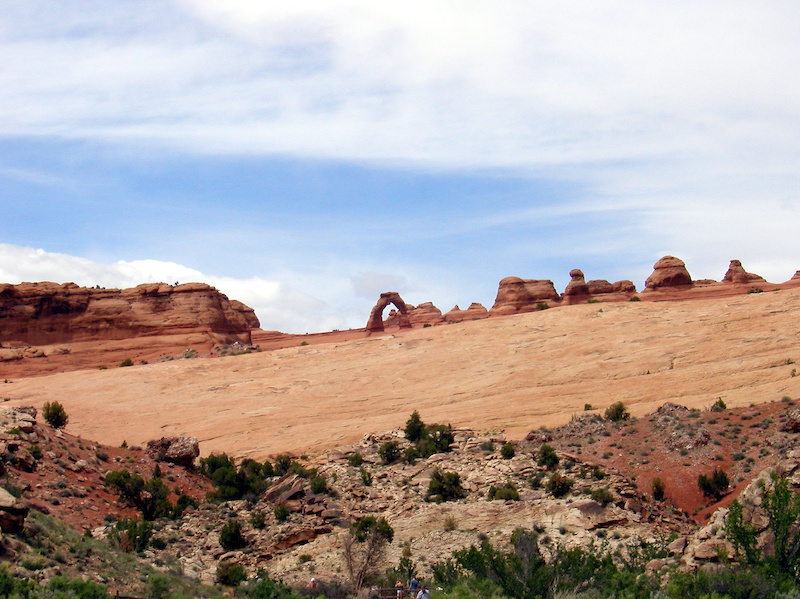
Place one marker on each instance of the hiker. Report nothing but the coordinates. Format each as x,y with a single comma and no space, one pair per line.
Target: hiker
399,587
424,593
313,586
413,585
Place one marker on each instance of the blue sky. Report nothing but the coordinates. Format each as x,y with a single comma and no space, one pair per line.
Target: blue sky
303,158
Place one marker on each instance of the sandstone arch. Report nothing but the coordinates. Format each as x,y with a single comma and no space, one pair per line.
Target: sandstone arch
375,322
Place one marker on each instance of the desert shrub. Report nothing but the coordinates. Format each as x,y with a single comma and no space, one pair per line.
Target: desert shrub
507,492
368,525
366,477
230,574
659,489
318,484
36,452
183,503
548,457
355,459
231,482
617,412
389,452
715,485
230,537
132,534
602,496
415,428
598,473
487,446
444,486
258,520
507,451
158,586
281,513
558,485
718,406
542,306
126,362
126,484
635,298
282,464
54,414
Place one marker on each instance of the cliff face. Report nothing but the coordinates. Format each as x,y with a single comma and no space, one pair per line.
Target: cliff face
48,313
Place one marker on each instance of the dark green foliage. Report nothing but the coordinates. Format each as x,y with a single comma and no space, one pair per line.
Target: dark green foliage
602,496
318,484
410,454
659,489
718,406
367,526
507,492
128,485
445,486
617,412
415,428
249,479
230,537
158,586
389,452
559,485
54,414
355,459
782,508
230,574
36,452
714,486
263,587
151,497
126,362
258,520
281,513
635,298
184,502
132,535
366,477
282,464
548,457
507,451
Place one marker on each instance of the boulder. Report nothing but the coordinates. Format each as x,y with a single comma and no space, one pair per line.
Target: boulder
515,295
425,313
668,272
177,450
792,424
13,512
736,274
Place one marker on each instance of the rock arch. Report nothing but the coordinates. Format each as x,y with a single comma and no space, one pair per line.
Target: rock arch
375,322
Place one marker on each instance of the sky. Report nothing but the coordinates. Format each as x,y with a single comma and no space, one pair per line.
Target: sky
305,156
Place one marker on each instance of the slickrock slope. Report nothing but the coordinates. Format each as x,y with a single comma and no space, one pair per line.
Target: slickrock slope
509,374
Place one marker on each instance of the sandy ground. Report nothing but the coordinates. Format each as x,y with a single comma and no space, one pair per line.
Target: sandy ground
509,374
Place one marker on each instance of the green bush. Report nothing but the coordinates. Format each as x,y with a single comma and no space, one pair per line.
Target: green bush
602,496
659,489
281,513
126,362
445,486
719,405
367,526
54,414
617,412
559,485
507,451
507,492
233,483
132,535
230,574
366,477
714,486
355,459
230,537
389,452
415,428
548,457
318,484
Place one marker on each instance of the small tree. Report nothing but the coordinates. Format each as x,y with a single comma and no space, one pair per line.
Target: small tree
389,452
230,537
548,457
658,489
54,414
559,485
364,546
507,450
617,412
714,486
445,486
230,574
415,428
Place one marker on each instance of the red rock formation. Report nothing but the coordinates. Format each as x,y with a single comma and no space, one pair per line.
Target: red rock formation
48,313
516,295
736,274
475,311
577,290
425,313
668,272
375,322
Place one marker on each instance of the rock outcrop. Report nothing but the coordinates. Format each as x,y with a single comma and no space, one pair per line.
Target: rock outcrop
425,313
577,290
177,450
515,295
13,512
668,272
475,311
736,274
375,322
48,313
